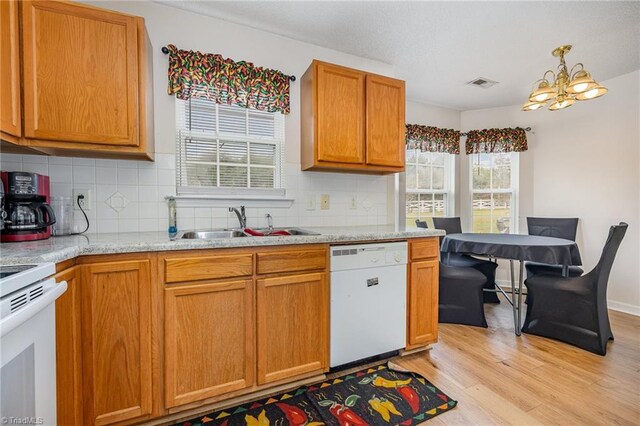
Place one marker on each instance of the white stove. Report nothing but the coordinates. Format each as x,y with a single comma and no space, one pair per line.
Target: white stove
28,343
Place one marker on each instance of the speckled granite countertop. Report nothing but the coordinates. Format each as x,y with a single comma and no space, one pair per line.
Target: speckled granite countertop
57,249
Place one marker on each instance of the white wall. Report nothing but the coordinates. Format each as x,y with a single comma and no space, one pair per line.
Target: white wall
145,184
582,162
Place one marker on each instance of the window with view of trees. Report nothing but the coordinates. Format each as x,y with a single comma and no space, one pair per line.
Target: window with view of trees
227,148
428,185
493,190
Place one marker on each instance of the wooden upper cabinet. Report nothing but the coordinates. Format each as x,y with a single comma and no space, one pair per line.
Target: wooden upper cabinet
209,340
116,341
340,114
351,120
293,326
10,116
80,74
385,121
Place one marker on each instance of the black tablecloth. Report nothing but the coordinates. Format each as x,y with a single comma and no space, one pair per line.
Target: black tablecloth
554,251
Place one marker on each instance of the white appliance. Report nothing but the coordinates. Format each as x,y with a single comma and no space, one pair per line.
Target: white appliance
28,344
368,301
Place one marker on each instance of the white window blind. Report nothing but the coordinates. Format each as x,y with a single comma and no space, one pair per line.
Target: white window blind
224,149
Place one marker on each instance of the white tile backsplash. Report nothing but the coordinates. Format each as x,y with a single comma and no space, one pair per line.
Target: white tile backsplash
145,185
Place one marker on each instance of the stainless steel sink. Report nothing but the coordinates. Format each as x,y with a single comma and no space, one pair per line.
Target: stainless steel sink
236,233
291,231
211,234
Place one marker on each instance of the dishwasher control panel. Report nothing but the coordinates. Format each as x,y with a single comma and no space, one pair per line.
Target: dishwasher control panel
368,256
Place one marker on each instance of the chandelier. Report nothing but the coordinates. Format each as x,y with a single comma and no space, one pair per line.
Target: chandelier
566,88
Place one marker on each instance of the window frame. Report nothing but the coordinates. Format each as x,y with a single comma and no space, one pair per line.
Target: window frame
277,192
448,190
514,190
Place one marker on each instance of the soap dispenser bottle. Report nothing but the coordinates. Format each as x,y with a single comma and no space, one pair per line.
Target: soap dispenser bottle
173,220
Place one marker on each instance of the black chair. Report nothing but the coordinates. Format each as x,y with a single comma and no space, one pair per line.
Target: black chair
460,296
552,227
421,223
574,310
452,225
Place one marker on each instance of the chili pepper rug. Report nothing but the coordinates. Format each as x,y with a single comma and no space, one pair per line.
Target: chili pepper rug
375,396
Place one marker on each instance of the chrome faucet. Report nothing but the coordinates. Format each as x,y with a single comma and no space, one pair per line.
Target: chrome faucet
269,222
242,218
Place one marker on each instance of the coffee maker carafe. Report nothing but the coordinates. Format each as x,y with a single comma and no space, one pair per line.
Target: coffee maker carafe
25,206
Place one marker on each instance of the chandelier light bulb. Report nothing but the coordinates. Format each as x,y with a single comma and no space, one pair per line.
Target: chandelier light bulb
580,87
531,106
596,92
561,103
591,94
542,97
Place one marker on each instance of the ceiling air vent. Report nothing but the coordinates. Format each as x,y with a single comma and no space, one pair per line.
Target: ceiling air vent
485,83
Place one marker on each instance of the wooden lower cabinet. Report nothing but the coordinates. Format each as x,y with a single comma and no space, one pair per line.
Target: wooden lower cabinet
422,321
209,340
116,341
293,326
69,350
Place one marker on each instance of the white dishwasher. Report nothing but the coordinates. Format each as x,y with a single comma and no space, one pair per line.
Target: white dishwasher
368,301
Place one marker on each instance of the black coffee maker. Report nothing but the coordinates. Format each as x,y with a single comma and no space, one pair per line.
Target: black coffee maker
25,207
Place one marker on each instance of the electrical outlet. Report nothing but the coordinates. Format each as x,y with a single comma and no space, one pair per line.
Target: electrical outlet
324,201
86,201
311,202
353,202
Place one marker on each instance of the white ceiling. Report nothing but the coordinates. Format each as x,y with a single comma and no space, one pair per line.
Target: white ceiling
438,46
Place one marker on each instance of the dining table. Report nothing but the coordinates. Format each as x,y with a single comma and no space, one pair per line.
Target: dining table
515,248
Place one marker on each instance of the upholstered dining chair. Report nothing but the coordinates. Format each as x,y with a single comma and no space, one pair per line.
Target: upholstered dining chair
574,310
565,228
421,223
460,295
452,225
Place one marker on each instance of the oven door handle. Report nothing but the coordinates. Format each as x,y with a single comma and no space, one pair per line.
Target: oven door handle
14,320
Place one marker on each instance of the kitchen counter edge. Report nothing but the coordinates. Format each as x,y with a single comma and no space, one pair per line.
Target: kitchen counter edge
59,249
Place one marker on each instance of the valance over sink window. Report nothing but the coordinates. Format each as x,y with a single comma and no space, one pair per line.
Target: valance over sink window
194,74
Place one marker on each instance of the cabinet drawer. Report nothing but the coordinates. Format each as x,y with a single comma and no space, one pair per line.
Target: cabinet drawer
208,267
292,261
427,248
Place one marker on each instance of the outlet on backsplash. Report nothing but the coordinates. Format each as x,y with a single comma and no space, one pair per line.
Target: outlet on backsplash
86,200
324,202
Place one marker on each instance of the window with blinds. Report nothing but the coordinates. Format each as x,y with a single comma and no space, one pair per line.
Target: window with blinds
226,148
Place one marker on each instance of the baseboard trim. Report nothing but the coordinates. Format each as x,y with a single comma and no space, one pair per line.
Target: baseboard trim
627,308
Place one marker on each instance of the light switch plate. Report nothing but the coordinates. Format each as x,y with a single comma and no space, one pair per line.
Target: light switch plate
353,202
324,201
311,202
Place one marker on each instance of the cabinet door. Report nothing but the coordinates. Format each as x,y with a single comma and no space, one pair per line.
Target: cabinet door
340,114
69,350
209,340
293,326
80,74
116,334
10,69
423,303
385,121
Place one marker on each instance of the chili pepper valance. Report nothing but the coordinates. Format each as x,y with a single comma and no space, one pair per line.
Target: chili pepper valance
496,140
224,81
433,139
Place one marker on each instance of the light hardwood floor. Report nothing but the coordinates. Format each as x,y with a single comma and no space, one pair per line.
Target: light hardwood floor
499,378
